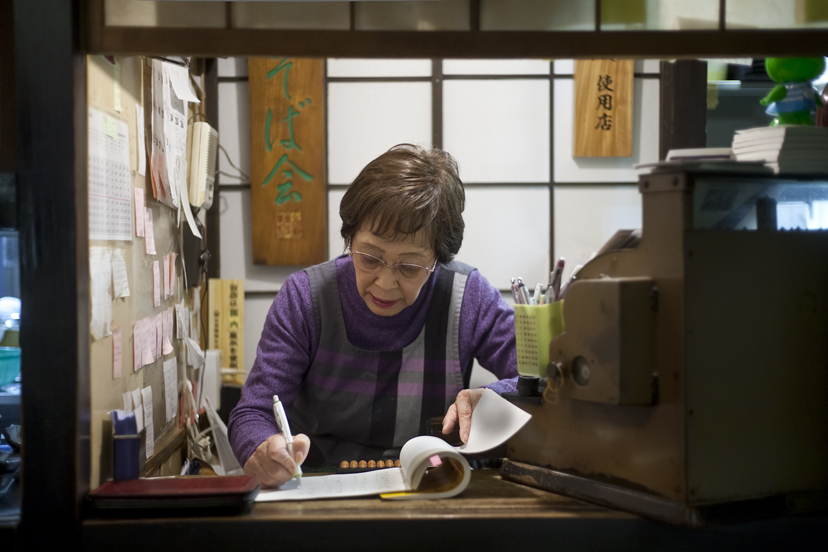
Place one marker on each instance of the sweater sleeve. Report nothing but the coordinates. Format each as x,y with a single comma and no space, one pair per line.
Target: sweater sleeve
487,332
285,351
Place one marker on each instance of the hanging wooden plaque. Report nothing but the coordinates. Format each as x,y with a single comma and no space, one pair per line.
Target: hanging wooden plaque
603,108
287,161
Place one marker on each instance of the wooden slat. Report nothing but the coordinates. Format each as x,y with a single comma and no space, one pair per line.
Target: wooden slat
287,161
460,44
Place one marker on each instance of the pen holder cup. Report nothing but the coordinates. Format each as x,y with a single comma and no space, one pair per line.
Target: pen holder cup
535,326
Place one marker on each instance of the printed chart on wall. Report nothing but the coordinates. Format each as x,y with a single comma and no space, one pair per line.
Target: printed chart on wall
110,192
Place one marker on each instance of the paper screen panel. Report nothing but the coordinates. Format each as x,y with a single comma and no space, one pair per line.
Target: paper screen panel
366,119
495,67
379,68
498,129
507,233
234,130
586,217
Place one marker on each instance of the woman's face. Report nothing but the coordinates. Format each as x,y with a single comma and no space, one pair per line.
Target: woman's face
387,292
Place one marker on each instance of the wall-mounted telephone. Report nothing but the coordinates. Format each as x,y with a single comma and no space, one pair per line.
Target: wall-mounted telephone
203,157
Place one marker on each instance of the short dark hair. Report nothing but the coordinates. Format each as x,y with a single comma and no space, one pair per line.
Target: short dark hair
404,190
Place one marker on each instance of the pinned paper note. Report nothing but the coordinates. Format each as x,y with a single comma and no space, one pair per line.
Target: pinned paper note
142,147
180,80
195,356
149,235
119,274
116,352
116,92
156,285
149,345
139,417
172,273
182,318
166,276
100,273
171,387
137,346
140,213
127,397
146,392
159,335
168,325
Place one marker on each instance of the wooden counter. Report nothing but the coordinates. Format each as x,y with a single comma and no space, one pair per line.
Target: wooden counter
492,514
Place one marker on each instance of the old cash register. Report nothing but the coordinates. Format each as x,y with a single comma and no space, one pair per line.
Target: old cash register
691,382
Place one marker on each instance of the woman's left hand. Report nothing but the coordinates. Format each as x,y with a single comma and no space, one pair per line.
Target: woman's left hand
461,411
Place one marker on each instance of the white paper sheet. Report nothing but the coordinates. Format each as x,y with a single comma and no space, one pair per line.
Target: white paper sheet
140,215
171,387
120,281
338,486
100,273
149,351
116,77
182,321
172,273
156,285
166,276
158,164
180,77
149,237
142,144
139,417
110,192
195,356
146,392
159,335
127,401
116,352
494,420
137,345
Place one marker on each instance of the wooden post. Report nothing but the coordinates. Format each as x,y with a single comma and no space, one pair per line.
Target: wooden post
287,161
603,108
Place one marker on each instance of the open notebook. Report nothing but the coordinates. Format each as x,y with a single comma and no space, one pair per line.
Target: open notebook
420,475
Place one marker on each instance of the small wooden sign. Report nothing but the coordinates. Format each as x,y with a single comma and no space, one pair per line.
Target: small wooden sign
226,325
287,161
603,108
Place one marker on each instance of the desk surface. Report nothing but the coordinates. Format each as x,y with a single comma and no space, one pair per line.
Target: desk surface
492,513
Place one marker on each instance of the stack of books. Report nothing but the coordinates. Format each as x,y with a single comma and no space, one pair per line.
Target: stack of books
784,148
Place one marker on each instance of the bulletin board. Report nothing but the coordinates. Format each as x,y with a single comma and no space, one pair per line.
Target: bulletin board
116,87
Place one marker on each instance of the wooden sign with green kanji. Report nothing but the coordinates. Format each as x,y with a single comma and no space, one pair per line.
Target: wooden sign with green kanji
287,161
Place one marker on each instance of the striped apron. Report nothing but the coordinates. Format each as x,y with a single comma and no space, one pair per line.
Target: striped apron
365,405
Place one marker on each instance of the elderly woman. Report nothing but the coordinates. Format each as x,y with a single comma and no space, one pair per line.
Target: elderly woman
365,348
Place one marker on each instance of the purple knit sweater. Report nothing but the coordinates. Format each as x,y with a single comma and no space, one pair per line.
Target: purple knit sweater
289,342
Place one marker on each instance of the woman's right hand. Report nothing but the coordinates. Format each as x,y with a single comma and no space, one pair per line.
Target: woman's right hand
272,465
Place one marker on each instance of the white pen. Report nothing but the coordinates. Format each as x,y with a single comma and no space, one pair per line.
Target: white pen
284,427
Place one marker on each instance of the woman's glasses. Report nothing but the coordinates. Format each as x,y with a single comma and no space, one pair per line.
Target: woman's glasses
369,263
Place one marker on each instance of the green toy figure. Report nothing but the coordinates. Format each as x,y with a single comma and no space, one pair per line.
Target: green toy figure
794,101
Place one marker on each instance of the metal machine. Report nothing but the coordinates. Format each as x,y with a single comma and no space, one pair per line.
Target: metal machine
691,383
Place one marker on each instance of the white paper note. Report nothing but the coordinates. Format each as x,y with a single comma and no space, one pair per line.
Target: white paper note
172,273
149,233
100,273
149,351
142,145
117,87
180,78
156,285
127,402
171,387
146,392
110,197
494,420
116,352
158,162
119,274
159,335
168,331
139,416
137,345
195,356
140,215
166,276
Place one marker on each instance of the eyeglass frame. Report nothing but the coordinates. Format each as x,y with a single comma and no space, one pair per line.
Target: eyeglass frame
429,271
